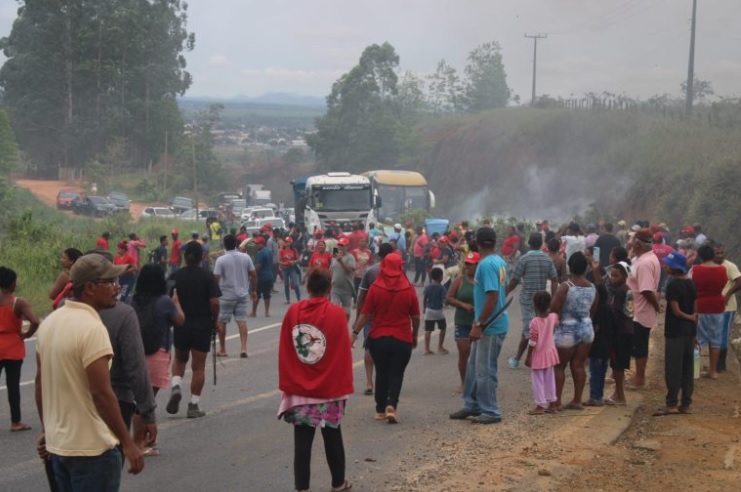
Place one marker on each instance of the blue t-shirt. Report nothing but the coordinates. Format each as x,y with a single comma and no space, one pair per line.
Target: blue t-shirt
264,258
434,296
491,275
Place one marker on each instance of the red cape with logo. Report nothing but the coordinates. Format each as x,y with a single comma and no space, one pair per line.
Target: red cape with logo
315,362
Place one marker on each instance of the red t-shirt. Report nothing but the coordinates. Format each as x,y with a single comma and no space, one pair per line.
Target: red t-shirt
286,257
320,260
175,252
709,282
391,310
510,245
102,243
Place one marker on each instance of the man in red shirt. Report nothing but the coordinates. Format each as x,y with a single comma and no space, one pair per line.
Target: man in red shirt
175,251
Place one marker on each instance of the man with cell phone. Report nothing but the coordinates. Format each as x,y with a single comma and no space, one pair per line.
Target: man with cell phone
343,272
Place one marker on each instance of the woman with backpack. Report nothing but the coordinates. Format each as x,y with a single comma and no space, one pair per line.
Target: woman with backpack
157,312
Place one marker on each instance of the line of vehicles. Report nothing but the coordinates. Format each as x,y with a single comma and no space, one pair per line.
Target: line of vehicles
341,198
97,206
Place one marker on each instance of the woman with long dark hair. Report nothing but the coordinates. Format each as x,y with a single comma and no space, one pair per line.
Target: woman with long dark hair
62,287
316,378
156,312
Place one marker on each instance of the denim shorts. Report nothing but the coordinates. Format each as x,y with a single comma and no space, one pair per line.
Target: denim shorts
710,330
462,332
528,313
237,308
570,334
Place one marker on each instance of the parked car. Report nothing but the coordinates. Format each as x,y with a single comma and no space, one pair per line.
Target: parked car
65,198
261,213
203,214
253,226
120,200
157,212
180,204
96,206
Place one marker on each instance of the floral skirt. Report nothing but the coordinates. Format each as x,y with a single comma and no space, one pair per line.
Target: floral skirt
327,414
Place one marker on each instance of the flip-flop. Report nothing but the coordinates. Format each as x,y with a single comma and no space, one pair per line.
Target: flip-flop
572,406
684,410
664,411
222,354
613,403
151,452
345,486
368,391
707,375
25,427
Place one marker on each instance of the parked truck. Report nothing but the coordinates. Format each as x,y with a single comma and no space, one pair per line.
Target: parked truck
339,197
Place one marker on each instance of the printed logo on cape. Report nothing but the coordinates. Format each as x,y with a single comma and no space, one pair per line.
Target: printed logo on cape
309,342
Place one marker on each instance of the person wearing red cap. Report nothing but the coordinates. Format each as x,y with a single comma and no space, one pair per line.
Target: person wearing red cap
460,295
175,253
288,260
393,307
128,279
265,277
342,269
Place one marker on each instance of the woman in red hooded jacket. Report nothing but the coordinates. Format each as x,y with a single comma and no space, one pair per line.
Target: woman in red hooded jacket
393,304
316,378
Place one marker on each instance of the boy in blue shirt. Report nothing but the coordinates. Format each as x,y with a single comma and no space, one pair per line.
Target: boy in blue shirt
433,299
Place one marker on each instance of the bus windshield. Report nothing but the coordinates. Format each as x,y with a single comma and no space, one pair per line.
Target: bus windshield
398,199
340,200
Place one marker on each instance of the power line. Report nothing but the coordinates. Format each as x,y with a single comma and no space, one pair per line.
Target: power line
535,38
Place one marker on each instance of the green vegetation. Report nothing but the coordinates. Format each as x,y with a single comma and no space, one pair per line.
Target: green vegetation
33,236
557,163
371,115
81,74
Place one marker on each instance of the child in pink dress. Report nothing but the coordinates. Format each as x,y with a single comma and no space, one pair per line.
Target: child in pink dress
542,355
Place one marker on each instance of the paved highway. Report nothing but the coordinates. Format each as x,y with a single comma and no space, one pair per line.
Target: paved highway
241,446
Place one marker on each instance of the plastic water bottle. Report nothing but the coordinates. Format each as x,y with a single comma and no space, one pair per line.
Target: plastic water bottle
697,362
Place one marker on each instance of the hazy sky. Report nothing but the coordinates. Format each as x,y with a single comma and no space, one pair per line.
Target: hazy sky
639,47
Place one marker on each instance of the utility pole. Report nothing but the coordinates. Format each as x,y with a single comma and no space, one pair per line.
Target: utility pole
691,67
535,38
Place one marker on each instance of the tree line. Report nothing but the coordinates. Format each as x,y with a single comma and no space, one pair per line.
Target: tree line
91,83
372,112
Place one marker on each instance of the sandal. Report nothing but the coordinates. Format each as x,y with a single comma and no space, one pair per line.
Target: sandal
572,406
615,403
342,488
151,452
20,427
664,411
685,410
368,391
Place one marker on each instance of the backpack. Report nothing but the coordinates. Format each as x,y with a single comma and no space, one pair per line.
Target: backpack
151,331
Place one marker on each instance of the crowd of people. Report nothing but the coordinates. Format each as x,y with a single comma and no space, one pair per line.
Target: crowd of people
588,300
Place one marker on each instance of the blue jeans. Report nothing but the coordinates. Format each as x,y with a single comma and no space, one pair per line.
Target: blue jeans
597,371
480,387
727,324
82,473
291,275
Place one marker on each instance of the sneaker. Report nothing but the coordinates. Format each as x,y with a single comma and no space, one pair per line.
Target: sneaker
174,404
463,414
513,363
485,419
194,412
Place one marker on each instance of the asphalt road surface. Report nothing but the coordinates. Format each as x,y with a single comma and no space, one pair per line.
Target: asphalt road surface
241,446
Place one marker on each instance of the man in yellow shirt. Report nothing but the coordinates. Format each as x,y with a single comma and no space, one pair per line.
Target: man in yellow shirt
77,407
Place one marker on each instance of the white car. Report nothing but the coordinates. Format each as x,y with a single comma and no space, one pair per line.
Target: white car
203,214
255,225
259,213
158,212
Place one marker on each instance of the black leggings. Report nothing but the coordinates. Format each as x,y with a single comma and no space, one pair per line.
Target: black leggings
390,356
13,382
303,437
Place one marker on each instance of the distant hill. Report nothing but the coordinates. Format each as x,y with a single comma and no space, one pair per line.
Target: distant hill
273,98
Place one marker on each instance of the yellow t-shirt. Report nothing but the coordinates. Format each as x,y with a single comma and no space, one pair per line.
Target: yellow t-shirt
215,227
68,341
733,274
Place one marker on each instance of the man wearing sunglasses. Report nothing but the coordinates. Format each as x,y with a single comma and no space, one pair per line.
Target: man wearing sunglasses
80,413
